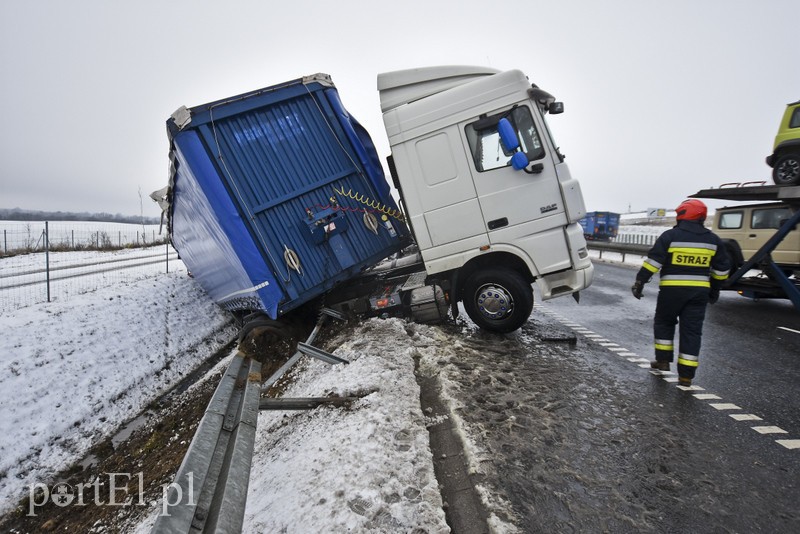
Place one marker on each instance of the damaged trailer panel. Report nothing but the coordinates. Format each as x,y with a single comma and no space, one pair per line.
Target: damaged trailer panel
277,195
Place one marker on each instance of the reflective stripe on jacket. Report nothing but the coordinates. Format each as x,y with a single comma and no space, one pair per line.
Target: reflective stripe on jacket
687,255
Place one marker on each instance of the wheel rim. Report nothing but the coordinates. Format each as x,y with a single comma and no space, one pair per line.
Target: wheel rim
789,170
494,301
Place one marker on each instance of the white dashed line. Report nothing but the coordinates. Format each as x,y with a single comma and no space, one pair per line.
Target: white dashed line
656,372
745,417
789,329
669,376
724,406
769,430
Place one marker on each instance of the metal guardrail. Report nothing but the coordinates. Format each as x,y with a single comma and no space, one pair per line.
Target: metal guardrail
620,248
210,489
209,493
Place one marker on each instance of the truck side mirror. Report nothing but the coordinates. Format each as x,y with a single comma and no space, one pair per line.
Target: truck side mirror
555,108
507,135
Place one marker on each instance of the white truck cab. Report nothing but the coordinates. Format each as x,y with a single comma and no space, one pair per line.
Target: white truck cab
490,201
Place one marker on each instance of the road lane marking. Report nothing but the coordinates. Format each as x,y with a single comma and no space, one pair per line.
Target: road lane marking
724,406
745,417
669,376
769,430
691,388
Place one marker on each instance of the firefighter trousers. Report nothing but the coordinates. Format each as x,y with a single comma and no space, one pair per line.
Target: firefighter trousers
685,306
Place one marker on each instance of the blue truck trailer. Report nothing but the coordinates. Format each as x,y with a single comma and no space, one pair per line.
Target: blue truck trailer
276,195
600,225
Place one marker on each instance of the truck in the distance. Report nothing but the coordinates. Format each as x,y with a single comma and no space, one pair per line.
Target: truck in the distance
277,196
600,225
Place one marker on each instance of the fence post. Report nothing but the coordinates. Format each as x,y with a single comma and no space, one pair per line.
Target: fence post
119,239
167,257
5,242
47,255
73,239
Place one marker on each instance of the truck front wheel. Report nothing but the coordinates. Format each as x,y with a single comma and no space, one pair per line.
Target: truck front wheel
498,299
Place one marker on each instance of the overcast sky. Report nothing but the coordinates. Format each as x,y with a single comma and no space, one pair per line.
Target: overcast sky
662,97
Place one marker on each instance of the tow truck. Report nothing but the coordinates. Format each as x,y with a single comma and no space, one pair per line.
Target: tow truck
773,281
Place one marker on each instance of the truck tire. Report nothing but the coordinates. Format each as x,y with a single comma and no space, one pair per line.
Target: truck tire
498,299
786,170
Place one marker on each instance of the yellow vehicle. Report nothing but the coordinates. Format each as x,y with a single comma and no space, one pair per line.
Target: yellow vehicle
745,229
785,157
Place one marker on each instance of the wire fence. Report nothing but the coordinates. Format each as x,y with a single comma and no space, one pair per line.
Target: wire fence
26,237
66,259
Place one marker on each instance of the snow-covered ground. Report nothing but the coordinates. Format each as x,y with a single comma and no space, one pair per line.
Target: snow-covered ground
71,372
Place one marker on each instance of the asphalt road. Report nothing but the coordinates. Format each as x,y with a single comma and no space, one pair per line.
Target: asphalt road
751,349
578,438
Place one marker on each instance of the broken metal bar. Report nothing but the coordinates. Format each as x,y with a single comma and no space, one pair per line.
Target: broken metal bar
319,354
324,312
304,403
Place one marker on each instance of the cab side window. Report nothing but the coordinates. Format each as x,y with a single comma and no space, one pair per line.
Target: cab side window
484,141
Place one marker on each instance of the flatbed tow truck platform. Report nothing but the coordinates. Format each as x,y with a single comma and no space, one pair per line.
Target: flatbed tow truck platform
774,282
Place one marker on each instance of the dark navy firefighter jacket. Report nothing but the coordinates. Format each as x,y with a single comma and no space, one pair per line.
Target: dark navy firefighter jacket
688,255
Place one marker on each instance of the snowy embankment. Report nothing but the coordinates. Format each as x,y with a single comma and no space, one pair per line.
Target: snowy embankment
72,372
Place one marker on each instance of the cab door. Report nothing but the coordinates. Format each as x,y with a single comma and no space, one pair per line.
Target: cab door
523,208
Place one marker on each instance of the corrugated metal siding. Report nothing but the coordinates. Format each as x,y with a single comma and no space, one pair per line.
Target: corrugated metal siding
281,159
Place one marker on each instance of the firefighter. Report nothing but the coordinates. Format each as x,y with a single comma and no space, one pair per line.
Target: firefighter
693,264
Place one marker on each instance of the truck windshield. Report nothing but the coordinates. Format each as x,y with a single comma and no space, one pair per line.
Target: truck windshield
487,150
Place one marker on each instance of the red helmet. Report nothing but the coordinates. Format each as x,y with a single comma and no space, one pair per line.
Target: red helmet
691,210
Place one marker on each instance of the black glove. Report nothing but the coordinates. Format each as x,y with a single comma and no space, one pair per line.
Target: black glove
713,296
636,289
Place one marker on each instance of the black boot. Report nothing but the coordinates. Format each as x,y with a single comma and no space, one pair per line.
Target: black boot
661,366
